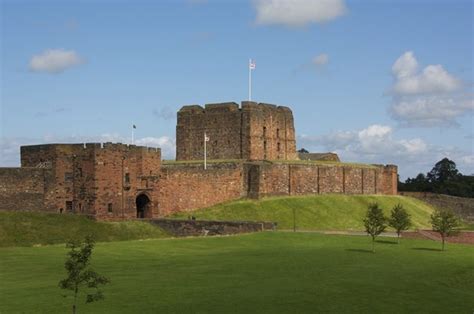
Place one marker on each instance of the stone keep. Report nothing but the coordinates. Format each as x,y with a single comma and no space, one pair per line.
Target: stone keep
254,131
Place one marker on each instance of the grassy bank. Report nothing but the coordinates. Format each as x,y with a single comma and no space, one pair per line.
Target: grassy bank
315,212
35,228
258,273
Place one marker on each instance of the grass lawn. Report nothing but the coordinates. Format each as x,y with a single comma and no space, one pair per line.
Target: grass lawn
315,212
32,228
271,272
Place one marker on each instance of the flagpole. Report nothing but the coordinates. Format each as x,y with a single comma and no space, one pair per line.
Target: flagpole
205,152
250,80
133,134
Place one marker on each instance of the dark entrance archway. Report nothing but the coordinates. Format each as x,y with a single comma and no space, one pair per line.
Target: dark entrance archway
143,206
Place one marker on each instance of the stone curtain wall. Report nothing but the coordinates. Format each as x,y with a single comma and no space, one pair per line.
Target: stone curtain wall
106,180
252,132
462,206
187,187
300,179
183,228
22,188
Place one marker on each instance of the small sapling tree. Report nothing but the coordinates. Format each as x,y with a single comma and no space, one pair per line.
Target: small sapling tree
374,222
80,274
399,220
444,222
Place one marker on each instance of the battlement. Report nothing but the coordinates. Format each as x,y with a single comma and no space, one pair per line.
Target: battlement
37,155
65,147
231,107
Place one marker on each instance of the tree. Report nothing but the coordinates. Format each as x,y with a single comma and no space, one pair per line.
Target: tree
444,178
374,222
444,170
302,150
399,220
79,272
444,222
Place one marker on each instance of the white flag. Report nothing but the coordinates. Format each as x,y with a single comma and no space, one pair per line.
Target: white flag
252,64
206,138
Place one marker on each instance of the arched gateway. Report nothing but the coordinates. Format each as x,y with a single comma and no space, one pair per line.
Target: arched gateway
144,209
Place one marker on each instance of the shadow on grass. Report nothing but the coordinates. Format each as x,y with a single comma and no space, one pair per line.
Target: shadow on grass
426,249
359,250
386,242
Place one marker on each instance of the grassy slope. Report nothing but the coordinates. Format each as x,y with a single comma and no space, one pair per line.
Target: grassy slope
315,212
257,273
30,228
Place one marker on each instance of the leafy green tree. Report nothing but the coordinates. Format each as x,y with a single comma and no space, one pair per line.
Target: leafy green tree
399,220
79,272
444,170
444,178
444,222
374,222
303,150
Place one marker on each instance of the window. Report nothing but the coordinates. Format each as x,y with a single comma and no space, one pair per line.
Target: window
264,131
264,149
110,208
79,171
278,133
127,177
278,146
68,176
69,207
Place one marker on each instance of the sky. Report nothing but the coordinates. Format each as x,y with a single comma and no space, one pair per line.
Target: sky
387,82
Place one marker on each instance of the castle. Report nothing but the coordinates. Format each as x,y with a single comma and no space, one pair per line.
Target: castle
251,152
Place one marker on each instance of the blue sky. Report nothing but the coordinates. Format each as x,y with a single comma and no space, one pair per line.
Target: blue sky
375,81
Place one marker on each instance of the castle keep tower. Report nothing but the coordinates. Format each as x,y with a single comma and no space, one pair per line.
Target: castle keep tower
254,131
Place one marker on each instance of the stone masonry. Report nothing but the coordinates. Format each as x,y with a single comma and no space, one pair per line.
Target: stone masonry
250,132
252,153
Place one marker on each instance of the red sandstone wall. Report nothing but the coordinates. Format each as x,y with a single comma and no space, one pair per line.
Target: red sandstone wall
221,122
22,188
268,131
300,179
187,187
304,180
253,132
353,180
91,176
274,180
112,164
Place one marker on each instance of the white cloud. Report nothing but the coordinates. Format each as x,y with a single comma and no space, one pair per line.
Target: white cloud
55,61
321,59
369,143
428,111
427,98
405,66
166,143
298,12
165,113
468,160
376,144
10,147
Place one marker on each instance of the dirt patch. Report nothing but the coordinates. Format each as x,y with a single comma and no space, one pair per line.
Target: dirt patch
465,237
